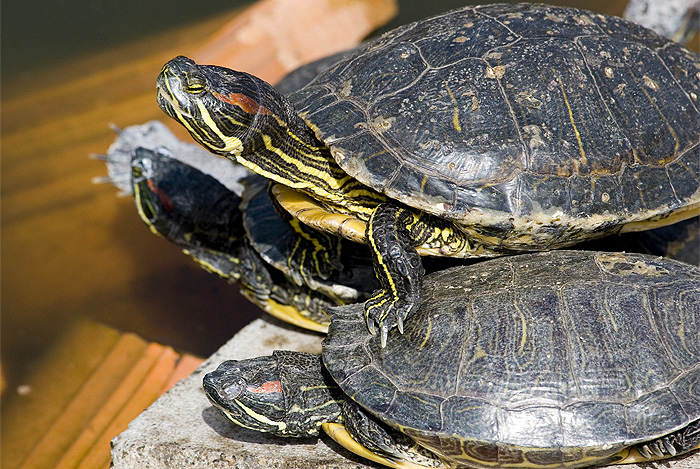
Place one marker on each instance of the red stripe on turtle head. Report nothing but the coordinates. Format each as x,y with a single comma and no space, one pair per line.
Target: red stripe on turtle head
165,200
269,386
245,102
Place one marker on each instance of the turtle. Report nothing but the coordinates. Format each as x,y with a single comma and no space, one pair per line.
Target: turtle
484,131
197,202
549,359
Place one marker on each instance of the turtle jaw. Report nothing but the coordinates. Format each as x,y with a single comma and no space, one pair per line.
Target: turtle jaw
178,82
168,104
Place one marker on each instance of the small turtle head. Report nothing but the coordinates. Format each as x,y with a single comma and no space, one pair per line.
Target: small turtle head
288,394
249,393
183,204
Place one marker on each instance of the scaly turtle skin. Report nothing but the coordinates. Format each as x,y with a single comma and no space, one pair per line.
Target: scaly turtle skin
552,360
480,132
194,201
276,237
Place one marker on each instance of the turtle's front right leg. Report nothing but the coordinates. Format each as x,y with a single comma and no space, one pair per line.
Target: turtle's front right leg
398,268
393,233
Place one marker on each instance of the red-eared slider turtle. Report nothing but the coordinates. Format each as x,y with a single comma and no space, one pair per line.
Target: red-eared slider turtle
552,360
195,201
483,131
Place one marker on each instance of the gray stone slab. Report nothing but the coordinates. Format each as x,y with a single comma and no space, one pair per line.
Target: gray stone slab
181,429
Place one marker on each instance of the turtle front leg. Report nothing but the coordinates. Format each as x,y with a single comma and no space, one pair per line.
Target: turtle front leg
314,255
397,266
251,272
393,233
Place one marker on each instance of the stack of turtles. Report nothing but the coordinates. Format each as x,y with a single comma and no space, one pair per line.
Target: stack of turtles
483,132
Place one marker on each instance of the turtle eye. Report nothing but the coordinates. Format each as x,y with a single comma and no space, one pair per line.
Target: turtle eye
195,85
233,390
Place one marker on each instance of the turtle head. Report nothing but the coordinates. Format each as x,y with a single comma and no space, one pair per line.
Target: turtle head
285,394
249,393
243,118
220,107
182,204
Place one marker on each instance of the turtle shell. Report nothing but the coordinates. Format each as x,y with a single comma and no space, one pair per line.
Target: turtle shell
547,358
506,116
272,238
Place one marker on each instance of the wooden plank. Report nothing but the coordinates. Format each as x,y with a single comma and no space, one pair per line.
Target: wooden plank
274,37
117,404
84,392
148,391
51,387
59,436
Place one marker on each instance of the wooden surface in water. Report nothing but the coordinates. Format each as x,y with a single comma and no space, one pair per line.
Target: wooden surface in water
71,248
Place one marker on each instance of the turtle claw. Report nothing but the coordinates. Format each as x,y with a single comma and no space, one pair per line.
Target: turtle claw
384,330
402,314
371,328
669,447
385,314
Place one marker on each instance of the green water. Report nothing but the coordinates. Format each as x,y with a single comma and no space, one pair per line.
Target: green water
39,33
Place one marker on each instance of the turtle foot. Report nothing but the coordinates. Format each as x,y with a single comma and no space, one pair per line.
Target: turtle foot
384,312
